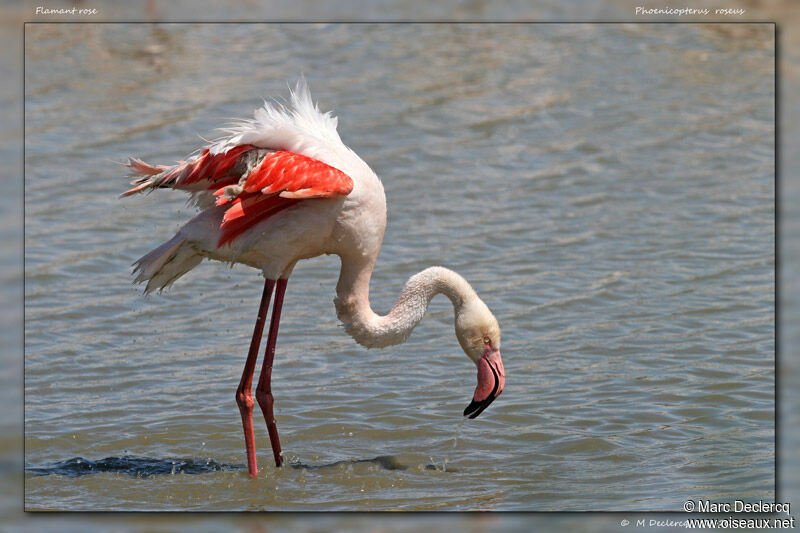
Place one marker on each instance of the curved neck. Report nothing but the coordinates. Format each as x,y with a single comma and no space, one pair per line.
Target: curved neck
373,330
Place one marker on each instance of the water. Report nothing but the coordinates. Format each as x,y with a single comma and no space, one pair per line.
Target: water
608,190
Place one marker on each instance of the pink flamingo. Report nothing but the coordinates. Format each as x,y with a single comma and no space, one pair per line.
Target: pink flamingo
283,187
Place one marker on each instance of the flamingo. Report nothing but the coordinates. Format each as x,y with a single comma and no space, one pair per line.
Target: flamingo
282,187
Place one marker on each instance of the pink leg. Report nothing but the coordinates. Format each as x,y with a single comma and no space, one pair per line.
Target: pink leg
244,394
264,388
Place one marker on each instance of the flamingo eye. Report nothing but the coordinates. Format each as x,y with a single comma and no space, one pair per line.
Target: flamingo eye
487,340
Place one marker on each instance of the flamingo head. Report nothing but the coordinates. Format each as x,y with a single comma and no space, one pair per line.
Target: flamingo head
479,335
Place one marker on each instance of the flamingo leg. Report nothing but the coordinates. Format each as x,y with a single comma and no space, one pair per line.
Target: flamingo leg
244,394
264,388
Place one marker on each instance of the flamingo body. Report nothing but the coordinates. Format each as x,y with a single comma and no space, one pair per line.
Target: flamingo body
280,188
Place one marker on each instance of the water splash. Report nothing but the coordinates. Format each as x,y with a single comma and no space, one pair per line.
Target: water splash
133,466
389,462
458,433
446,459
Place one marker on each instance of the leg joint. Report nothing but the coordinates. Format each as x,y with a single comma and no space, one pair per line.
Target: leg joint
264,398
244,398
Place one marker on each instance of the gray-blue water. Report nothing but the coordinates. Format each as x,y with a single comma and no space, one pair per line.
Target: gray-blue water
607,189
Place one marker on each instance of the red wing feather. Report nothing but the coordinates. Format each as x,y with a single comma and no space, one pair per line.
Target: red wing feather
216,169
248,210
293,175
281,180
209,167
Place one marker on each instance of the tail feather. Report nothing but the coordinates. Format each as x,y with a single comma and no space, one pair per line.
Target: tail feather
149,175
140,168
162,266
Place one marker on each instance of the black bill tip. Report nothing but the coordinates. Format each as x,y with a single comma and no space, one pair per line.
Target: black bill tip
476,408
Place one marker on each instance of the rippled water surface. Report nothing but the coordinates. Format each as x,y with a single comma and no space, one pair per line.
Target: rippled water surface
608,190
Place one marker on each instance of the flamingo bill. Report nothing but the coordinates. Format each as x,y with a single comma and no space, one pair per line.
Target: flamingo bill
491,381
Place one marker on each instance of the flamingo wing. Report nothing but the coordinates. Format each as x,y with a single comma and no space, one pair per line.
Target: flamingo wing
280,180
198,173
253,183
